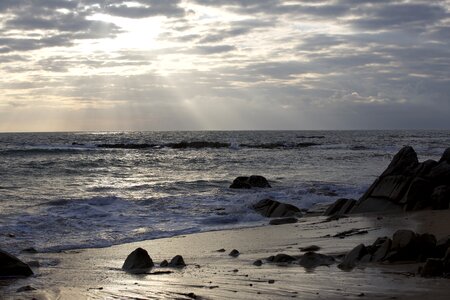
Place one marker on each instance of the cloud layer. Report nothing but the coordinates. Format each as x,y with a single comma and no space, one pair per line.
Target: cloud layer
204,64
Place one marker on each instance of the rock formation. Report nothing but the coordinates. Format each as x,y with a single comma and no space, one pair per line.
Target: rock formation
407,184
11,266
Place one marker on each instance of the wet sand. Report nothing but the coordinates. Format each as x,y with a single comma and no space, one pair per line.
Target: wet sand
96,273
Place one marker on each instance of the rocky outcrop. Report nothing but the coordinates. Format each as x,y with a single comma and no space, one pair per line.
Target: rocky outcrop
11,266
274,209
407,184
342,206
138,261
245,182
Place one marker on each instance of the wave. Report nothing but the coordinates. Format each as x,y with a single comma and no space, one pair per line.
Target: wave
208,144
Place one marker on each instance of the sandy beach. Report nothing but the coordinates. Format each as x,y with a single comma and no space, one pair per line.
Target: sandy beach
209,274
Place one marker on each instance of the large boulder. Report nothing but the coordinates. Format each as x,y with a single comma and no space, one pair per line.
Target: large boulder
352,258
274,209
407,184
11,266
138,261
244,182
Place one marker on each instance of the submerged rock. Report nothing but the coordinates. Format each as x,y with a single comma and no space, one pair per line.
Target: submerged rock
274,209
138,261
244,182
11,266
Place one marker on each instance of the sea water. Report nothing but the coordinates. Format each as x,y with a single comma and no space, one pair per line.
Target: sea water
95,189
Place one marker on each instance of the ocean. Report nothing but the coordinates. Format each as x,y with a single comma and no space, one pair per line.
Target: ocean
62,191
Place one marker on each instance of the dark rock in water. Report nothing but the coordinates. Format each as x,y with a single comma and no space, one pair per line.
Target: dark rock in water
11,266
353,257
311,248
409,185
243,182
258,263
274,209
440,197
30,250
312,260
177,262
433,267
138,261
340,207
234,253
282,258
164,264
283,221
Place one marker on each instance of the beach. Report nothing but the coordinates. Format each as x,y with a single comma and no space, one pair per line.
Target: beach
209,274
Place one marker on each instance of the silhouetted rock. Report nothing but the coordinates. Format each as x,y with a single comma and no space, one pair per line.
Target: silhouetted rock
11,266
138,261
282,258
177,262
244,182
283,221
234,253
312,260
353,257
340,207
258,263
274,209
433,267
407,184
164,264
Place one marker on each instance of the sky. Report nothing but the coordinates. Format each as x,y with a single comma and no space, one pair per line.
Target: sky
73,65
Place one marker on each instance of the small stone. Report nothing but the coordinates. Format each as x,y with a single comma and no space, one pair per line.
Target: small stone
221,250
164,264
177,262
271,281
234,253
257,263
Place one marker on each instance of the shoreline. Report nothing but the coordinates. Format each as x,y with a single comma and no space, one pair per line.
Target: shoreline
96,272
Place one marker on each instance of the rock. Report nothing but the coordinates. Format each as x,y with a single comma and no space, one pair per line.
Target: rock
234,253
26,288
312,260
382,250
446,262
441,246
164,264
311,248
221,250
403,162
274,209
425,245
177,262
29,250
433,267
138,261
257,263
440,197
340,207
271,281
403,239
418,195
283,221
11,266
282,258
445,156
407,184
243,182
353,257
